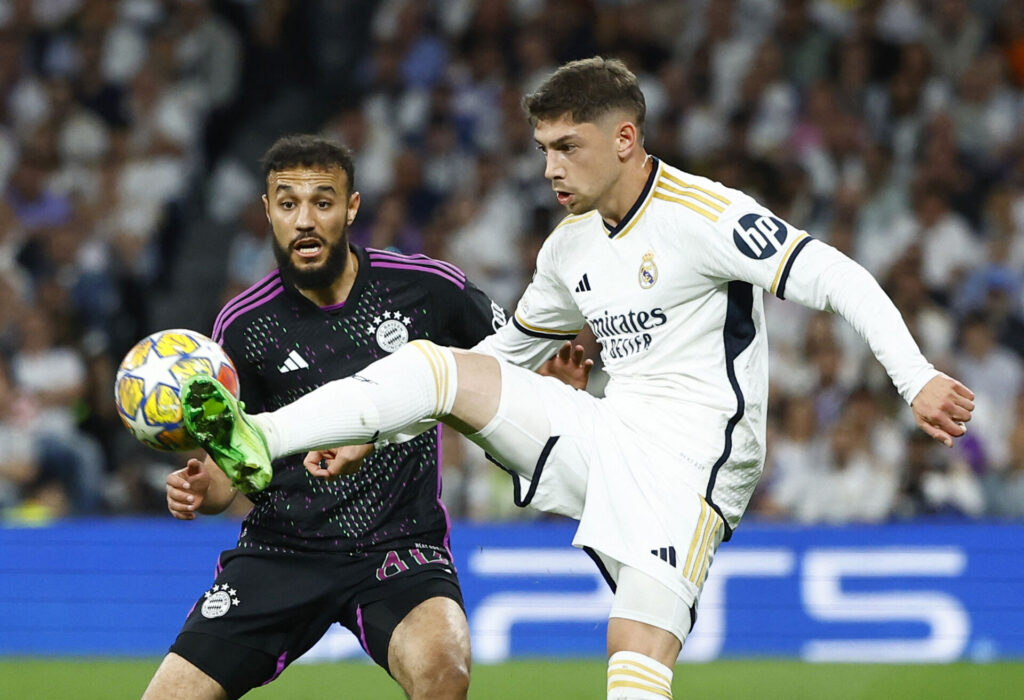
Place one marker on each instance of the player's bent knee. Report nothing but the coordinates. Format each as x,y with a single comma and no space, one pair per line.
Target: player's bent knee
441,673
479,390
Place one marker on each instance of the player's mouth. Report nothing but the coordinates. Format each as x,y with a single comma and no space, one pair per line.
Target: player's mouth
308,247
564,198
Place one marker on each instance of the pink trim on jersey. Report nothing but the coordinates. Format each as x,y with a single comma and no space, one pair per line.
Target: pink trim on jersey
362,630
245,297
271,292
440,503
421,268
417,260
282,661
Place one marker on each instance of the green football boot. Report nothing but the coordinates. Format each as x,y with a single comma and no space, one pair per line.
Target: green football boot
215,419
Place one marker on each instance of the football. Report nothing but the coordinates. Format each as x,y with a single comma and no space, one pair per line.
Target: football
148,383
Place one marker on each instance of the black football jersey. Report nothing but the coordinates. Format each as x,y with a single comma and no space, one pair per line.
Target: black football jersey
284,346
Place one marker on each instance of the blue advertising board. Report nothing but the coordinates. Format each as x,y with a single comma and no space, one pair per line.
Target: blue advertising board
915,593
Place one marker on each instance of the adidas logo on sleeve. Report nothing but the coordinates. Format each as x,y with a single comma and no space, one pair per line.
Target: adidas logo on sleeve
584,284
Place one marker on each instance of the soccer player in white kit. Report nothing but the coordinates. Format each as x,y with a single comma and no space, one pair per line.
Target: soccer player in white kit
667,268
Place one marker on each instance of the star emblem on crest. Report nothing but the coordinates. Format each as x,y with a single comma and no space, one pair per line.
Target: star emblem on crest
377,320
223,588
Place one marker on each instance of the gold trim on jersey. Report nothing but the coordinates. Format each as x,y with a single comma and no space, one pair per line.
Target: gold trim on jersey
642,209
785,258
636,218
697,559
573,218
693,195
540,329
690,205
699,199
706,191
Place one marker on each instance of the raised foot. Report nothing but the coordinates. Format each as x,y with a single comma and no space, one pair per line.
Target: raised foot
215,419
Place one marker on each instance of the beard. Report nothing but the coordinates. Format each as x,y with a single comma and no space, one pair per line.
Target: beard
320,277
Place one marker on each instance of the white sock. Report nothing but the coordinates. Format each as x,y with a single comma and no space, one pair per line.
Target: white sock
417,381
633,676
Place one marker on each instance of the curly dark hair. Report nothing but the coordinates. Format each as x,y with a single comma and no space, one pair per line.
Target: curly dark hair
308,151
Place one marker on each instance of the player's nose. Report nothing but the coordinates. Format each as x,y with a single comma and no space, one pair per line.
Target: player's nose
552,169
305,220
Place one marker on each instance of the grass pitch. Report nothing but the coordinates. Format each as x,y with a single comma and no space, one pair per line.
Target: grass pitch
102,679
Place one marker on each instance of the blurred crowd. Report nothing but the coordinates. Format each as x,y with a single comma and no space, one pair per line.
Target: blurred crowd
892,129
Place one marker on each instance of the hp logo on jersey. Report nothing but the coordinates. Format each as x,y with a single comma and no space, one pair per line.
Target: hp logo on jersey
759,236
391,330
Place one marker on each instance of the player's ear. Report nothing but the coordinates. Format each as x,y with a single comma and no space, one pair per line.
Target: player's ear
266,206
627,138
353,206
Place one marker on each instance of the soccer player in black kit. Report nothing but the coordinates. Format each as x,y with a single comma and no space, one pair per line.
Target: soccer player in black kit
368,550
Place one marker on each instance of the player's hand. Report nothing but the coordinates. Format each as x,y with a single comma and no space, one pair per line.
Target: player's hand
942,408
186,490
338,461
569,365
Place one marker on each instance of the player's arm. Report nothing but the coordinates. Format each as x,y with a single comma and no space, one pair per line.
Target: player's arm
824,278
199,487
753,245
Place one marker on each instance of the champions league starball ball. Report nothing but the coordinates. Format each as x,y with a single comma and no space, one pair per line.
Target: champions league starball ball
148,384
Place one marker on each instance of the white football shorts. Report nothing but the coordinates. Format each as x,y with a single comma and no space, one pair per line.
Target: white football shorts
569,453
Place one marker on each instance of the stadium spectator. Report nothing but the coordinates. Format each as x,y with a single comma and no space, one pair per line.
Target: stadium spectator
936,484
997,374
19,461
840,117
1004,490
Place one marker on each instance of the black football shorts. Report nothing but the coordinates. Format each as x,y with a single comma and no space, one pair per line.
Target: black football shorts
264,610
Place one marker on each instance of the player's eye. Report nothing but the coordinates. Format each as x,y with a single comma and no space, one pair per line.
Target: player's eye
567,148
542,149
287,205
323,204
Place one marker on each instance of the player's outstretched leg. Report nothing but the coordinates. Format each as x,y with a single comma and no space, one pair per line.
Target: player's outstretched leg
217,422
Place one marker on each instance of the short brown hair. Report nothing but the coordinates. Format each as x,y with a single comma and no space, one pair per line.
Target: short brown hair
586,90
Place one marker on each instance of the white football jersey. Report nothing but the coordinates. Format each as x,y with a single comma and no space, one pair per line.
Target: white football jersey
674,295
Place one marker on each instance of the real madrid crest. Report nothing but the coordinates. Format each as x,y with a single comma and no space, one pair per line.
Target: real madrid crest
391,330
648,271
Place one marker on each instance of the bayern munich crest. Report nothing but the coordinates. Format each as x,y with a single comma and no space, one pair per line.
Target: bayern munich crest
648,271
218,600
391,330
